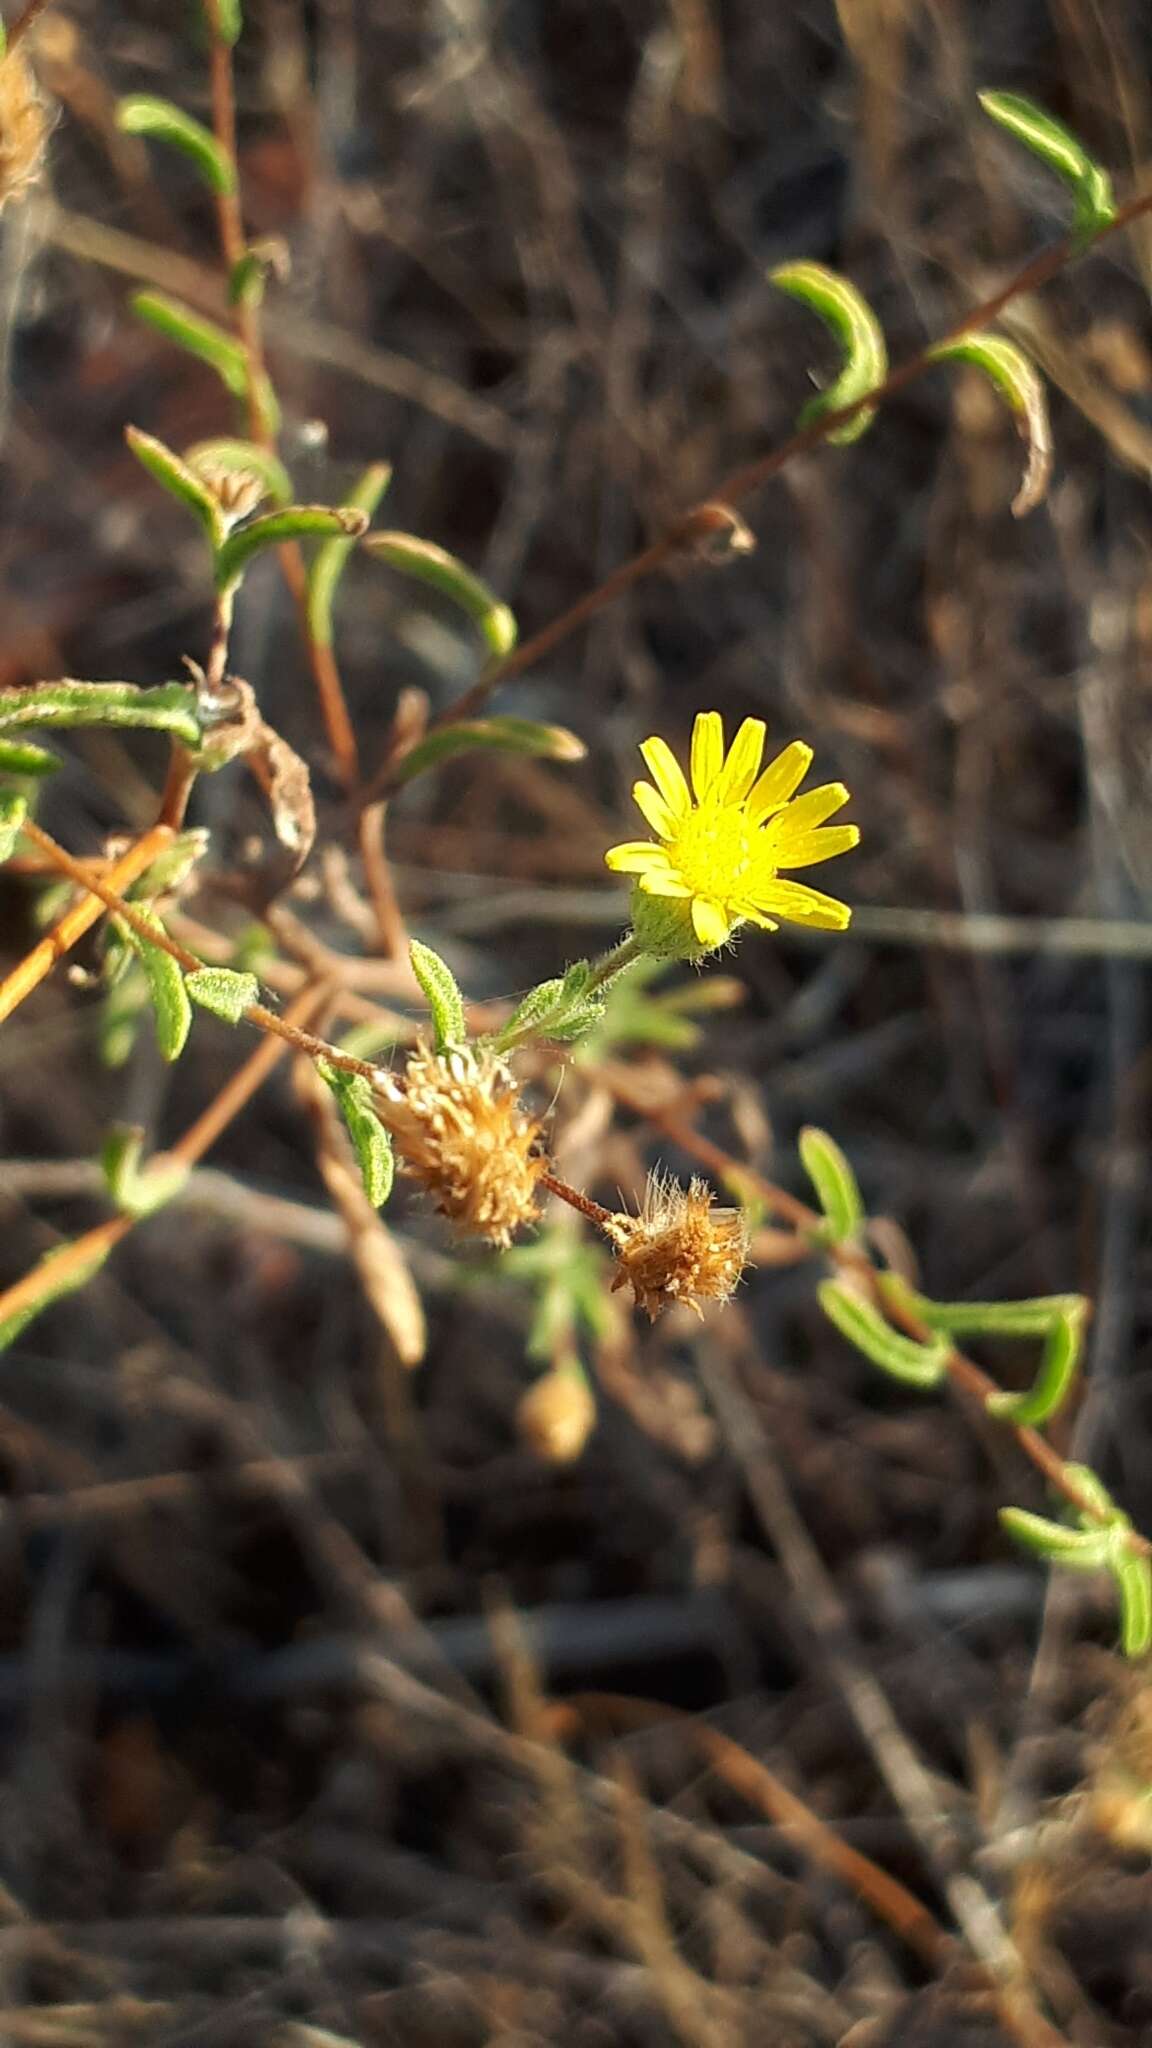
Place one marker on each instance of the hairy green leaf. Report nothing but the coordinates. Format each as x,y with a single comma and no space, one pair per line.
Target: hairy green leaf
441,994
293,522
851,319
918,1365
1133,1578
171,1009
433,565
370,1140
179,479
1021,386
13,811
1063,1344
1078,1550
329,561
504,735
1063,152
223,991
138,1190
835,1184
206,340
169,707
22,758
56,1286
143,114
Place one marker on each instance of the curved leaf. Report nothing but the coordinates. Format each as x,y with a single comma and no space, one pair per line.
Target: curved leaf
918,1365
851,319
442,995
503,735
210,343
1078,1550
835,1184
370,1141
1063,152
231,457
328,562
22,758
143,114
1063,1344
441,571
293,522
1133,1578
178,477
1020,384
166,708
223,991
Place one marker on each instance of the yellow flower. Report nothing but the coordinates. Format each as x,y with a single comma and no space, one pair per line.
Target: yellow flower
724,841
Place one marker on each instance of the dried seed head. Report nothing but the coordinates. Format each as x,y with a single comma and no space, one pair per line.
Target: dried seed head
23,127
680,1248
460,1130
557,1415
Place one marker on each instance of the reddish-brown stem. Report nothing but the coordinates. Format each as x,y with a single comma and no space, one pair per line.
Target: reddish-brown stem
25,20
177,787
79,1257
751,476
595,1213
378,881
30,971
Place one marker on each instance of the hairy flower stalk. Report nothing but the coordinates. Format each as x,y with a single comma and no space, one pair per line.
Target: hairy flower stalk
680,1248
460,1130
722,843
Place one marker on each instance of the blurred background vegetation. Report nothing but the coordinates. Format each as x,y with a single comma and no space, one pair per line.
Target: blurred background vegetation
267,1771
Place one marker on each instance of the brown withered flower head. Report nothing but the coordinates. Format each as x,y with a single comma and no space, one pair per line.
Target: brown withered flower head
680,1248
23,127
460,1130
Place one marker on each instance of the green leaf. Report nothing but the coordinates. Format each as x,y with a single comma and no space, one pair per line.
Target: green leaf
1020,384
293,522
1133,1577
171,1008
1063,152
835,1184
1089,1484
223,991
229,22
329,560
13,811
172,867
167,708
1078,1550
142,114
1063,1344
546,1011
370,1141
210,343
442,995
434,566
122,1012
25,759
179,479
137,1192
504,735
262,260
230,457
918,1365
55,1288
852,321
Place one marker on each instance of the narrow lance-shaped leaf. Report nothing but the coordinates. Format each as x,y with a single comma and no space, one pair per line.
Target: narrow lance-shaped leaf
170,1005
13,811
22,758
834,1182
1133,1579
223,991
434,566
442,995
918,1365
294,522
138,1190
179,479
502,735
851,319
1099,1504
1078,1550
1063,1344
329,561
370,1141
226,456
143,114
169,707
204,339
1020,384
60,1275
1063,152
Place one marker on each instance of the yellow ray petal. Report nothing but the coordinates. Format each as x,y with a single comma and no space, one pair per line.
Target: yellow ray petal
780,780
809,847
807,811
662,882
655,809
709,922
707,751
742,766
668,775
802,905
634,857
